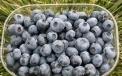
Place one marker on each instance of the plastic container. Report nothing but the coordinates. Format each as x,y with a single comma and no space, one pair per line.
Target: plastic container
56,8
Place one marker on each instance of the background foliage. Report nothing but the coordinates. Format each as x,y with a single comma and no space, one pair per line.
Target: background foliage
114,6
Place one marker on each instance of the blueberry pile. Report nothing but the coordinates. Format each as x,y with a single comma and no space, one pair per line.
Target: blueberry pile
69,43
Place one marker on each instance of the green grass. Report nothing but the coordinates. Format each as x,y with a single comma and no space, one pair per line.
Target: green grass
114,6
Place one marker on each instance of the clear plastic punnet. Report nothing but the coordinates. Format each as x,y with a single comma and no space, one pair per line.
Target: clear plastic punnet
57,8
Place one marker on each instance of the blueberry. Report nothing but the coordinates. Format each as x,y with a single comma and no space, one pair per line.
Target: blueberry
107,36
97,60
34,12
95,48
86,58
72,43
24,49
42,39
65,42
31,43
73,15
64,60
16,40
18,29
94,14
89,36
10,47
10,29
70,35
109,52
39,16
34,71
45,70
49,19
100,41
42,60
33,30
18,18
25,35
37,50
77,22
24,59
16,66
28,22
52,36
75,60
96,30
10,59
62,35
49,13
16,54
84,27
108,25
90,69
102,16
68,25
56,67
78,33
71,51
82,44
57,25
62,17
65,12
83,15
58,46
42,24
50,58
92,21
23,71
104,68
67,70
45,50
34,59
79,71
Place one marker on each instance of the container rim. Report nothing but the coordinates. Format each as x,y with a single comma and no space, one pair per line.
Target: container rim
116,27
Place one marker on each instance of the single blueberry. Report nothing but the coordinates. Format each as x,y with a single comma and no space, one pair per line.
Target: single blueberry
58,46
75,60
45,50
82,44
16,54
86,58
71,51
79,71
84,27
24,59
42,39
31,43
57,25
89,36
95,48
23,71
18,18
34,59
